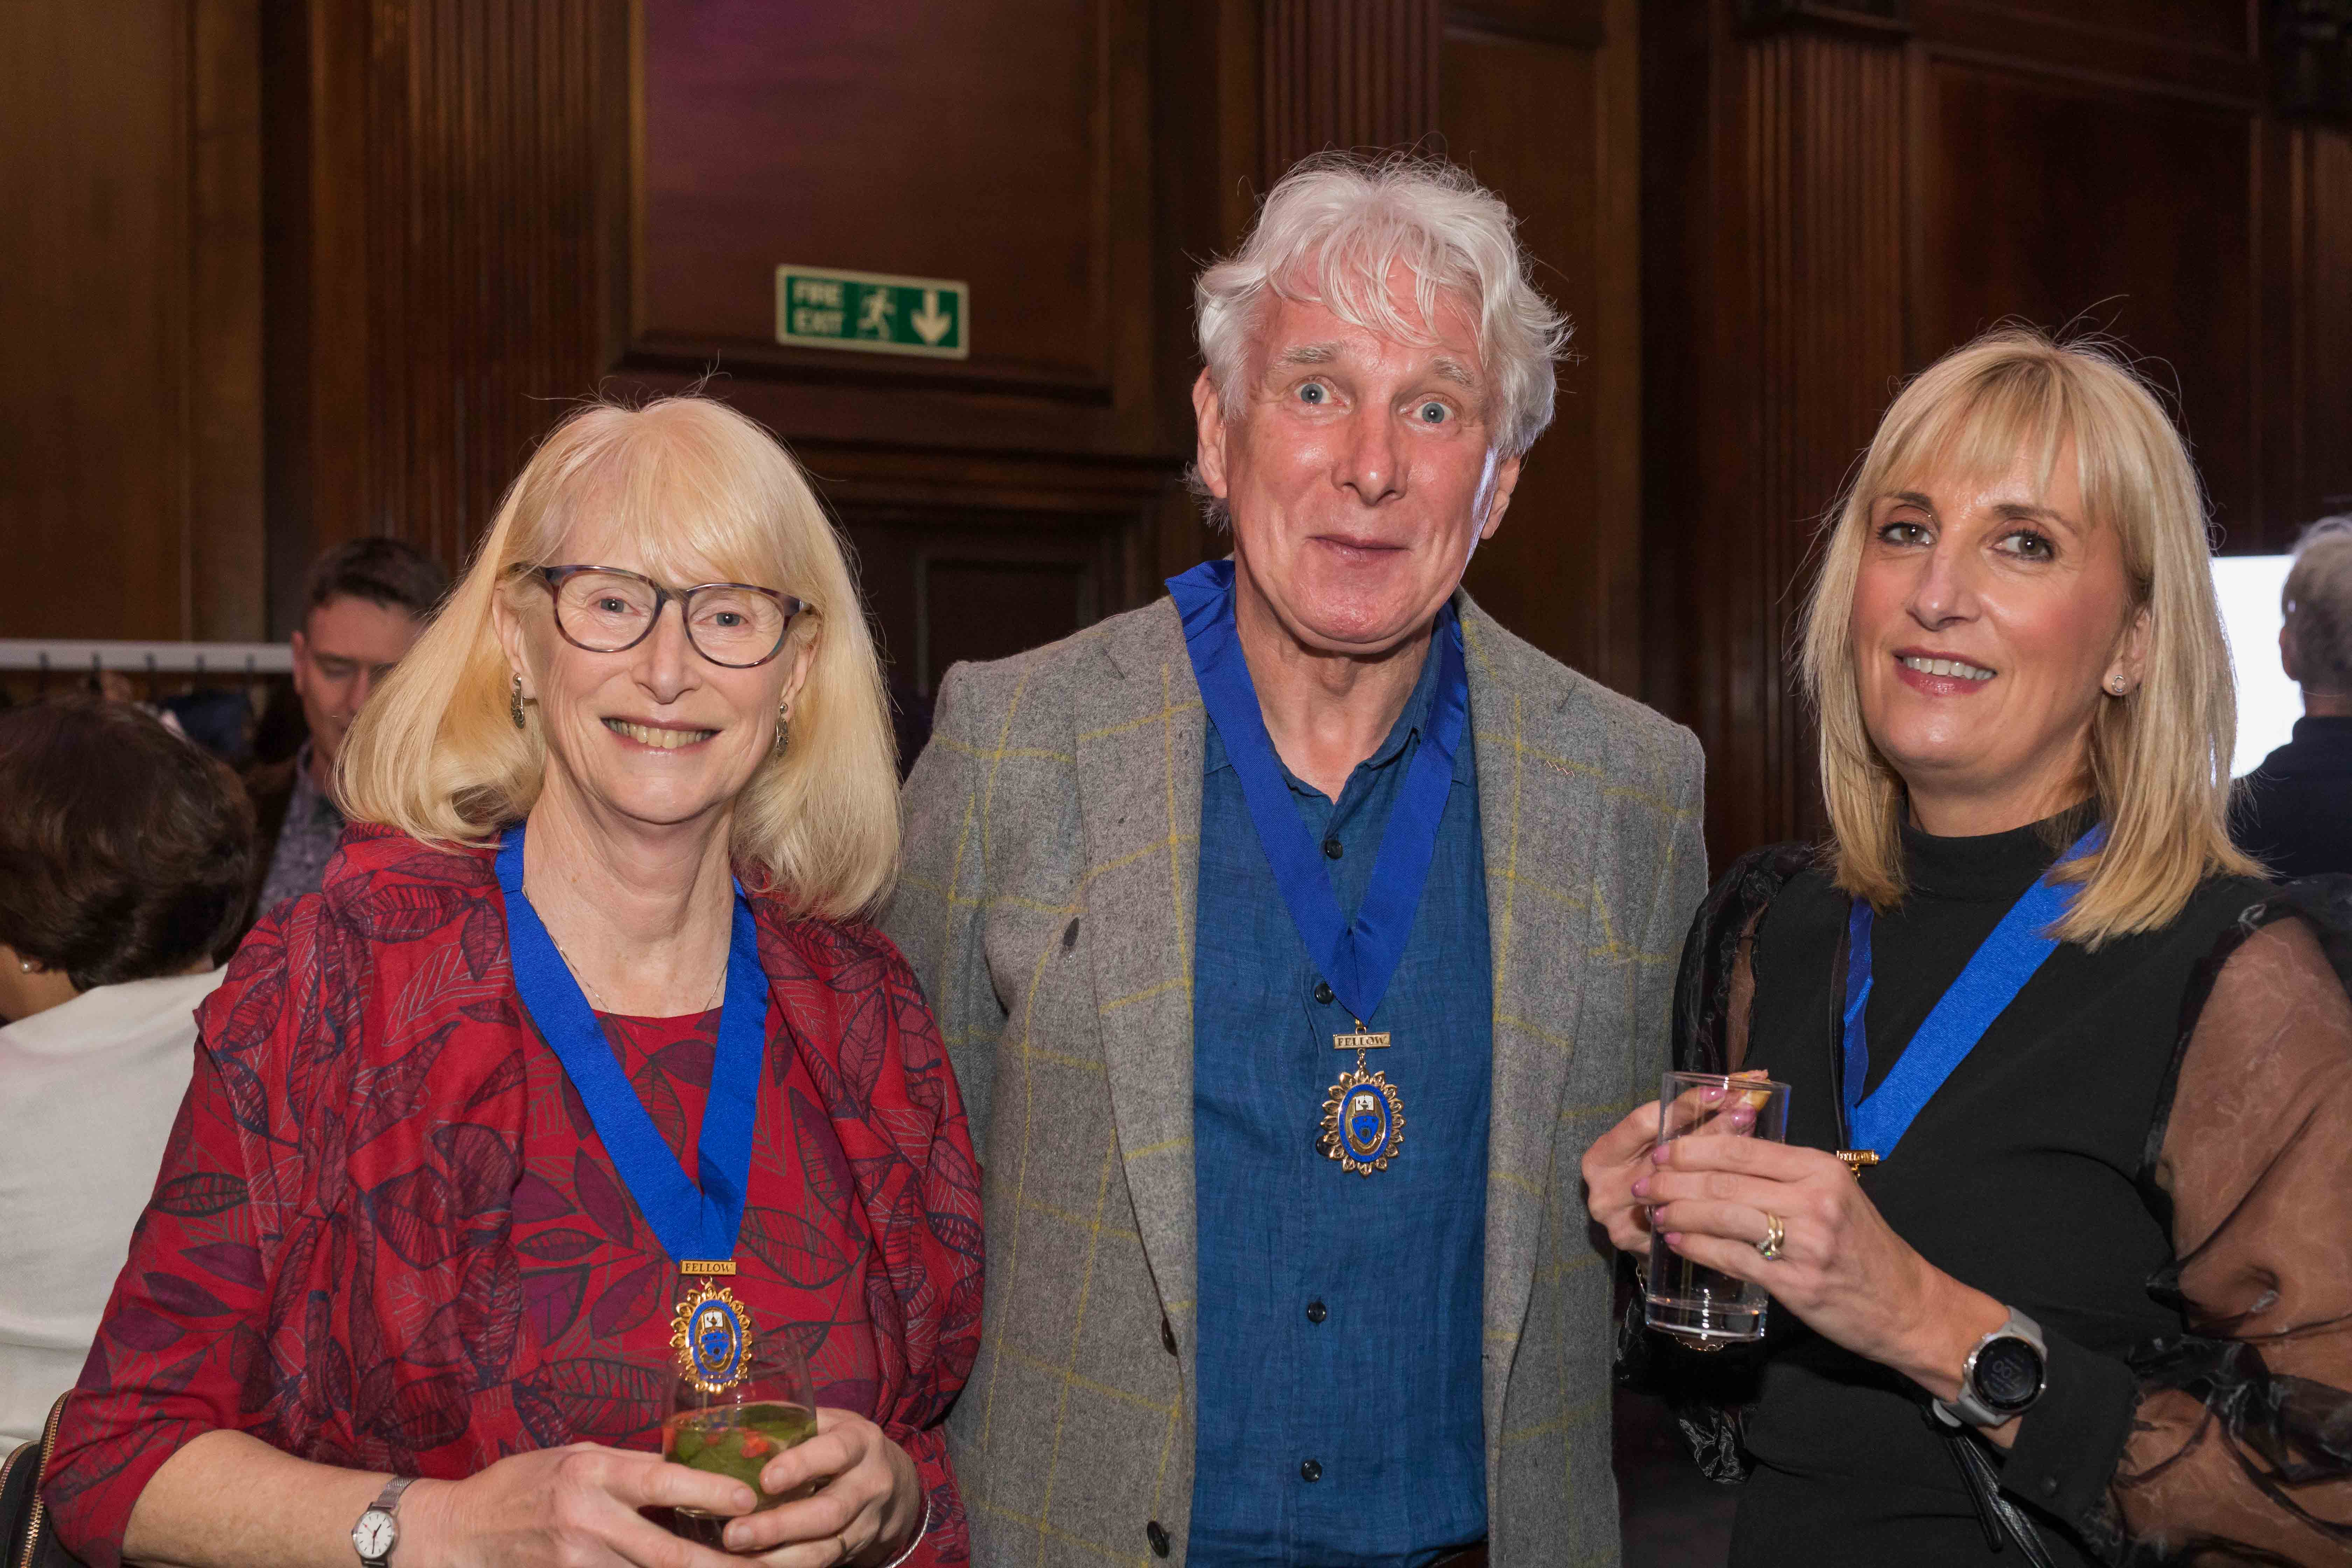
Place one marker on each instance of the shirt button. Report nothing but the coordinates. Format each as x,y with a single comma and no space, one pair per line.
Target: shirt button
1157,1533
1332,848
1322,987
2049,1486
1316,1311
1311,1471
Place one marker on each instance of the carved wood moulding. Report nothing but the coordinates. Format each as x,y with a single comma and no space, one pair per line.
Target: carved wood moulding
1886,19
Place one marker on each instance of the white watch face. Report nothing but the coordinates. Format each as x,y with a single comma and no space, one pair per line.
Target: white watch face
375,1534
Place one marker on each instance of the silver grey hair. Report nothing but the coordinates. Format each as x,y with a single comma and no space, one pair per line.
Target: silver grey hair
2317,600
1333,228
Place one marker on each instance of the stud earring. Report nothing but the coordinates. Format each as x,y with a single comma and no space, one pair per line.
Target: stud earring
2119,686
783,729
25,964
514,702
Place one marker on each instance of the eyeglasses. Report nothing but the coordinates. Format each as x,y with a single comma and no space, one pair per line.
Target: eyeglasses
603,609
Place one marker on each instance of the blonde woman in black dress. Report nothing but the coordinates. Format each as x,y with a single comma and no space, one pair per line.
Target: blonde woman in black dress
2095,1301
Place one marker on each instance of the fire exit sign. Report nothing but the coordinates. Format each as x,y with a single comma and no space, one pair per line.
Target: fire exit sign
875,313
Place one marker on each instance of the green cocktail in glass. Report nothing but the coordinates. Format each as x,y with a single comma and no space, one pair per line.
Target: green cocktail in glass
738,1430
738,1441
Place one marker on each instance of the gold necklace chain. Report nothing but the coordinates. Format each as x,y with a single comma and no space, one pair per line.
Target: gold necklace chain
717,992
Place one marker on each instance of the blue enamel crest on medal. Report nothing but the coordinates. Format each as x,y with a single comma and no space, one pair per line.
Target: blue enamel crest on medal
710,1331
1364,1119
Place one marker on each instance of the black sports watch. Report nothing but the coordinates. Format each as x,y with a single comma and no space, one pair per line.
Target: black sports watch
378,1530
2003,1376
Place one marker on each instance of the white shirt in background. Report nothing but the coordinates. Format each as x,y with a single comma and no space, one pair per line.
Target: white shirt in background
88,1094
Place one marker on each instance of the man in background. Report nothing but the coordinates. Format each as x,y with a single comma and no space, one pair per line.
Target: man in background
365,603
2295,812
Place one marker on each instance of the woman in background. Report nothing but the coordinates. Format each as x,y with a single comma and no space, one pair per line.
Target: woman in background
2094,1301
123,853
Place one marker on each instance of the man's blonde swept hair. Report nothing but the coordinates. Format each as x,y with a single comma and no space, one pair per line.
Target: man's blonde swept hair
707,495
2159,758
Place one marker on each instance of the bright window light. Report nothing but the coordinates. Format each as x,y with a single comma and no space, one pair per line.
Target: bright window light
2268,702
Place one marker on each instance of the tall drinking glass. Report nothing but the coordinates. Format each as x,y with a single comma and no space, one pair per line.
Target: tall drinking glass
1702,1305
737,1430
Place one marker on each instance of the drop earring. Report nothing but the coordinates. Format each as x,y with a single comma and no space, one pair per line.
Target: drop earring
514,702
783,730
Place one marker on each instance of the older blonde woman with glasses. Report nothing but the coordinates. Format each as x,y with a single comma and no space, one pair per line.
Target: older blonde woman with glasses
2093,1301
584,1079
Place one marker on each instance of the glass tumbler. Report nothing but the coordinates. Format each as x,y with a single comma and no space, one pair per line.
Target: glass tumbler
736,1431
1707,1307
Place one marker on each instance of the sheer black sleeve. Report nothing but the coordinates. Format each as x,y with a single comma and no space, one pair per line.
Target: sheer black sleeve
2240,1444
1713,992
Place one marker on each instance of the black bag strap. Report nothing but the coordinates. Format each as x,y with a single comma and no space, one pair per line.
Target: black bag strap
27,1533
2005,1524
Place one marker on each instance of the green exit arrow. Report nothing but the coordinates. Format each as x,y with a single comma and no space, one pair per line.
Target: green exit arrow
873,312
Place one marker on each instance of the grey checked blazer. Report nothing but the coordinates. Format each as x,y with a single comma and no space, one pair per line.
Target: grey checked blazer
1052,846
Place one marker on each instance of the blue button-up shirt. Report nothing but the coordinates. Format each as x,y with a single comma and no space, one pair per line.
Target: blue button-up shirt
1340,1315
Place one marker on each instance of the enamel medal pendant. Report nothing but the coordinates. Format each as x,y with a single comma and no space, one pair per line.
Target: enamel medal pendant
710,1331
1363,1120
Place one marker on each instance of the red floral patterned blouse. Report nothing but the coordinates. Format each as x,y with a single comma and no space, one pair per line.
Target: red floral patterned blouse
386,1236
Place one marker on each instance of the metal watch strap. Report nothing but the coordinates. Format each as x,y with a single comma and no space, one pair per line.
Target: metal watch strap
1967,1410
387,1502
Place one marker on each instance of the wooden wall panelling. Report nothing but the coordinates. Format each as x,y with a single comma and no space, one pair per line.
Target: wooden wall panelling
439,294
227,529
1065,541
2130,209
1774,293
1006,144
1205,169
2322,261
1010,144
130,427
2208,47
1541,103
1347,73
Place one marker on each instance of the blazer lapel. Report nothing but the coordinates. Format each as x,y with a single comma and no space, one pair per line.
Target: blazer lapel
1139,729
1538,815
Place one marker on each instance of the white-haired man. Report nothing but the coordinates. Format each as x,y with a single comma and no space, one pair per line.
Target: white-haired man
1292,936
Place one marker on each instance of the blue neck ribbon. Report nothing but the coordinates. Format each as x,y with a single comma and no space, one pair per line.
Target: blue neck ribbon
691,1223
1356,961
1993,976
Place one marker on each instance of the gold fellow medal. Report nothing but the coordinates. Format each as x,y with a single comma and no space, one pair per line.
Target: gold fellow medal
710,1332
1363,1120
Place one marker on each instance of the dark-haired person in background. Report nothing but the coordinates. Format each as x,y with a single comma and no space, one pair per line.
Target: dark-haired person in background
366,602
114,905
2295,812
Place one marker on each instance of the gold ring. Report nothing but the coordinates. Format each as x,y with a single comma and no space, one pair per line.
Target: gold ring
1774,1235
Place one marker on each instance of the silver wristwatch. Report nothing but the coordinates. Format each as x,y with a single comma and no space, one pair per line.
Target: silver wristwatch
2003,1376
378,1530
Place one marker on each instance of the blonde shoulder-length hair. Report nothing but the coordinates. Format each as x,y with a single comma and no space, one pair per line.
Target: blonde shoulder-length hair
707,496
2159,757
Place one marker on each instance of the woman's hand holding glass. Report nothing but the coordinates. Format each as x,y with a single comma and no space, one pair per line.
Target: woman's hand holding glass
867,1510
577,1507
1840,1266
573,1507
1620,1158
